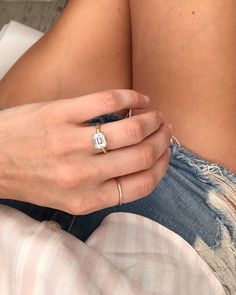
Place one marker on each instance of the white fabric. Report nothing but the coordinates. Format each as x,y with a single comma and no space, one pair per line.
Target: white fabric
15,39
127,255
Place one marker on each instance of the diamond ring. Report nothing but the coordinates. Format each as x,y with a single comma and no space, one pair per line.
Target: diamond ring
99,139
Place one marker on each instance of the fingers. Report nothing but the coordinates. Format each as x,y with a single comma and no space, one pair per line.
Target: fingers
135,158
124,132
137,185
90,106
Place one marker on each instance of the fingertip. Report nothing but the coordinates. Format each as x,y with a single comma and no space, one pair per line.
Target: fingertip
147,99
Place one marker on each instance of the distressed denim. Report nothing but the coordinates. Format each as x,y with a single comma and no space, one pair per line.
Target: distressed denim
196,199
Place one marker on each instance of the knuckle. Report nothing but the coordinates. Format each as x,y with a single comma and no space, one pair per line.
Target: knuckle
97,173
69,178
48,113
165,135
81,205
158,117
53,143
135,97
167,132
42,115
110,99
66,179
148,185
68,182
135,131
148,156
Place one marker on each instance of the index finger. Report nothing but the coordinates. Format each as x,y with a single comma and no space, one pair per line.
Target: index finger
93,105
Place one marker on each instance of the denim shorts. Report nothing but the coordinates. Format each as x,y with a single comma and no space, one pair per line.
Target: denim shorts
196,199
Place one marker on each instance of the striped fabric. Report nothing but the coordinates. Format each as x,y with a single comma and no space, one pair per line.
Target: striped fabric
127,254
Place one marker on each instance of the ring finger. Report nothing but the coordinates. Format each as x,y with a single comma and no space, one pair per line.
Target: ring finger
134,158
124,132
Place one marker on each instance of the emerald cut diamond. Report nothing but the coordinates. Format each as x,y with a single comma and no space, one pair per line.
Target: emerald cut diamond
99,140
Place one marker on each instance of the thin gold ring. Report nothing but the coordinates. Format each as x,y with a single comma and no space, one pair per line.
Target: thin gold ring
120,192
99,139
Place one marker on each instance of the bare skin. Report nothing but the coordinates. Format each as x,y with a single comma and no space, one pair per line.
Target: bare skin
48,157
183,58
87,50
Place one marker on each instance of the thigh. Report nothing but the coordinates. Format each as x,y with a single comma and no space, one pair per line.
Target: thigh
184,58
87,50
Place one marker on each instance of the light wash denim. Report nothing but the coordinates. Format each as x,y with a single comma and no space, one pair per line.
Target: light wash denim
196,199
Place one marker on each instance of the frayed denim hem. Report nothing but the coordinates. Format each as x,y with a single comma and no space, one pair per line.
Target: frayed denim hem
203,169
221,199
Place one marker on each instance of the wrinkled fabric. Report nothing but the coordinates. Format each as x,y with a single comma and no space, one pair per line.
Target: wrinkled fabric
128,254
196,199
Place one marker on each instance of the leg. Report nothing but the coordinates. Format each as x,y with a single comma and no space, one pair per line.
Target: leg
184,58
87,50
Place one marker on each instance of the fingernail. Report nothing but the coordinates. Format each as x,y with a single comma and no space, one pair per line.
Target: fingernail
147,99
170,127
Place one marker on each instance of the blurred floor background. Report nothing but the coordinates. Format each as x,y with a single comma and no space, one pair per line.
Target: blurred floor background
39,15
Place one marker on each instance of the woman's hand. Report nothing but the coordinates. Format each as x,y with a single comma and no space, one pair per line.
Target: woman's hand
48,156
